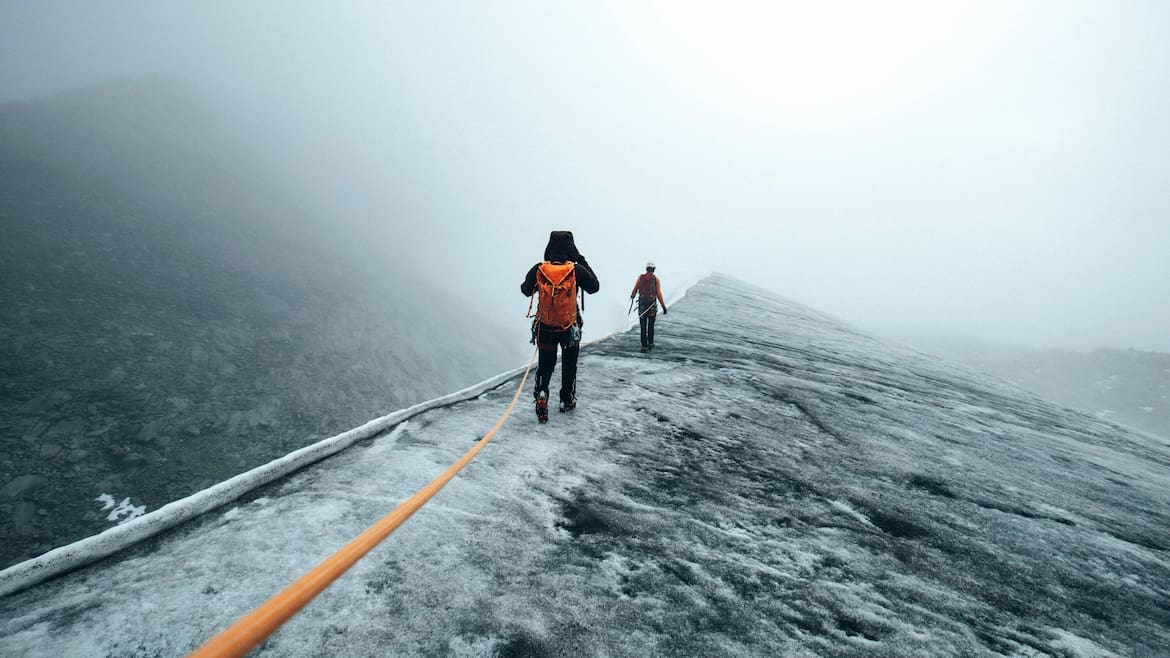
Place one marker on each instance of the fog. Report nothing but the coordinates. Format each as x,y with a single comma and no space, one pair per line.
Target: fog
994,169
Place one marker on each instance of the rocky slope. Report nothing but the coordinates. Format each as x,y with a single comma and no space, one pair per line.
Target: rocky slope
765,483
169,319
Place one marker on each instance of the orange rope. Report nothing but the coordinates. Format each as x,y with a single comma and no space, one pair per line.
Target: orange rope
256,626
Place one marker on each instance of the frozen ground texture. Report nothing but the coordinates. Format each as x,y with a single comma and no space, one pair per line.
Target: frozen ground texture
766,482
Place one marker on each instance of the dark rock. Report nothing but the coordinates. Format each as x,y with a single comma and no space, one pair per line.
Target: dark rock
50,450
38,405
149,432
23,486
33,435
134,459
66,429
23,514
101,431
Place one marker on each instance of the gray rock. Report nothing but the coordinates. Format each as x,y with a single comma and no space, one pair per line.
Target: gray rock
237,419
199,355
134,459
66,429
33,435
50,450
255,417
22,518
23,486
101,431
149,432
36,406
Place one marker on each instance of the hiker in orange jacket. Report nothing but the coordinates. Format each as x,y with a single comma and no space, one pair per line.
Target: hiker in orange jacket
558,322
648,289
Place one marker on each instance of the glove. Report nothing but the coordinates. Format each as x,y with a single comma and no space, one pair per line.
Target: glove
664,310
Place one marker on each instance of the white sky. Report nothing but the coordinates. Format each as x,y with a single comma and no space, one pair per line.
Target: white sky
993,168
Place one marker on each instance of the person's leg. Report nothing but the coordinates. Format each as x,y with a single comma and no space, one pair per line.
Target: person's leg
645,320
544,369
569,356
650,317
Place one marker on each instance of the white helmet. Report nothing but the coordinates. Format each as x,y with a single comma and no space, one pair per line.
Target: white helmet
649,266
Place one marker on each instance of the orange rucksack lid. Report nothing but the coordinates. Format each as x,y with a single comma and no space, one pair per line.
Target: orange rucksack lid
556,283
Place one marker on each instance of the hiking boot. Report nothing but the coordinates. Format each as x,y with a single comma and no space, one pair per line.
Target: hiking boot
645,349
568,406
542,408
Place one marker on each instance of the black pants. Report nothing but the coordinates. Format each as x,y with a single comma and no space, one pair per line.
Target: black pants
547,341
646,320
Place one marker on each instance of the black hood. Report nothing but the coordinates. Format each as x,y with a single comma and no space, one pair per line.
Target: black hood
561,247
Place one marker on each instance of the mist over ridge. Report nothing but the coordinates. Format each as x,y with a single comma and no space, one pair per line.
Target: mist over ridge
990,169
1125,386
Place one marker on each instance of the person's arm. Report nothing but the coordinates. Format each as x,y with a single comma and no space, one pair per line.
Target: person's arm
658,287
635,290
529,285
586,279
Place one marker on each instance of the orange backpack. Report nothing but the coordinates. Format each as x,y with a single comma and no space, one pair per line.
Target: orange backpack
556,283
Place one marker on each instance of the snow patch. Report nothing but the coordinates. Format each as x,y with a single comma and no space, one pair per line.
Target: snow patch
1077,646
120,512
850,512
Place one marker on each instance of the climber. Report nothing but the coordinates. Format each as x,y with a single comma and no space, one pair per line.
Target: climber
558,320
648,289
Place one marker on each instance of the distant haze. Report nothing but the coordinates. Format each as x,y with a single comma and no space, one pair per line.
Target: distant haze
999,169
